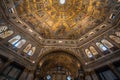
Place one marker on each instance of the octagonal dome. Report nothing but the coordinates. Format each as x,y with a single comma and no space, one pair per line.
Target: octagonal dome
63,19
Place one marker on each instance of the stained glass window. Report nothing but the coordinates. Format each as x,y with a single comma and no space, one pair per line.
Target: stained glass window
32,51
88,53
101,46
48,77
68,78
20,43
107,43
93,50
14,39
28,47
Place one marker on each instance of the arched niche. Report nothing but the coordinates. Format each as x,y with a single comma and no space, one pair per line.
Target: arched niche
53,59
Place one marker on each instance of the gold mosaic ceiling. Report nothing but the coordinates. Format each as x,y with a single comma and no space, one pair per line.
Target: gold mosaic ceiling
68,20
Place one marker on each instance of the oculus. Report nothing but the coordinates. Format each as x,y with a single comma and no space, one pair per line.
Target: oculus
62,1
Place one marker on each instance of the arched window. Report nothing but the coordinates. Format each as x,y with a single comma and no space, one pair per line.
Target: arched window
101,47
93,50
88,53
3,28
48,77
107,43
28,47
115,38
117,34
20,43
6,34
112,16
69,78
14,39
32,51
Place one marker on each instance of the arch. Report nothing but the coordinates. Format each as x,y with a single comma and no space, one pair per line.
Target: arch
27,48
14,39
101,47
107,43
32,51
115,38
88,53
46,52
52,57
93,50
50,50
20,43
6,34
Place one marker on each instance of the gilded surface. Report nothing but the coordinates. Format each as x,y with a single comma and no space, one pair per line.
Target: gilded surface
71,20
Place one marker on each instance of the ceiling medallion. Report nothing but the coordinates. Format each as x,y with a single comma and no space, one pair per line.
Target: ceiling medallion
62,1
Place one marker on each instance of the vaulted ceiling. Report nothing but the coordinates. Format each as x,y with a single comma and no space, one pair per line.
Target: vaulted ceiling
63,19
59,58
